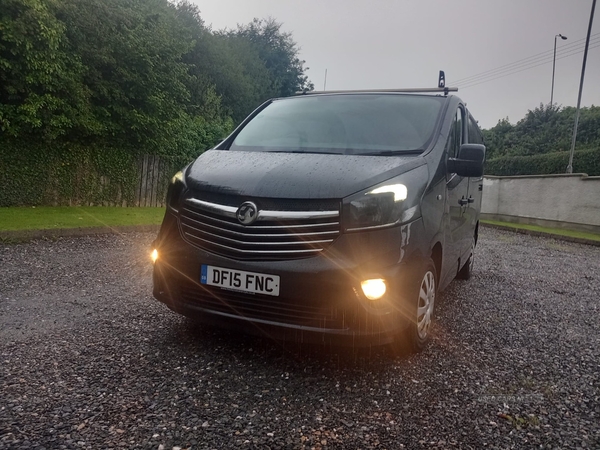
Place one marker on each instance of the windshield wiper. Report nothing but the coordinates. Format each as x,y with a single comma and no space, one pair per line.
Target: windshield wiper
395,152
301,151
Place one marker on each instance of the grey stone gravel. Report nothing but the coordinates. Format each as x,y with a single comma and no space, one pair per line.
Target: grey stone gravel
89,360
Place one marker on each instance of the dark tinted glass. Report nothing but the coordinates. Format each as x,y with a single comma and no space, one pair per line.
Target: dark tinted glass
474,133
456,135
353,124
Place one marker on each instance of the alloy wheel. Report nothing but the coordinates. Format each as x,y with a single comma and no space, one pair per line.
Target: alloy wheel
426,304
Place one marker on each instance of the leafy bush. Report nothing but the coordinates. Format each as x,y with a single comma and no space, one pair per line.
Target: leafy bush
584,161
545,129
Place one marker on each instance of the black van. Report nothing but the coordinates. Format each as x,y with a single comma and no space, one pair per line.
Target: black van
333,216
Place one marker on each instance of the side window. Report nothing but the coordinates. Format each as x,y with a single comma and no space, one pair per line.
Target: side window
456,134
474,133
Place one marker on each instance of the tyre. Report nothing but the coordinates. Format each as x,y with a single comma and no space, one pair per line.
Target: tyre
421,304
467,270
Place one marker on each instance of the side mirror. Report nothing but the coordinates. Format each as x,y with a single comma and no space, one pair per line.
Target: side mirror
469,162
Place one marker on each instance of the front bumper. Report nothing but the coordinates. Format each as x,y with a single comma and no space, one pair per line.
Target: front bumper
320,297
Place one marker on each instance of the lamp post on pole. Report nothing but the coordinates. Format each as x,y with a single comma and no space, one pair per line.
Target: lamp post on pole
577,111
564,38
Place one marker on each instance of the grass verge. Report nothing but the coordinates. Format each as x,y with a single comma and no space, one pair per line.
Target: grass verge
545,230
49,217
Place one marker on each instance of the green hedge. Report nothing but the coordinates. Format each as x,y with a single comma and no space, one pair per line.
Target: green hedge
32,175
584,161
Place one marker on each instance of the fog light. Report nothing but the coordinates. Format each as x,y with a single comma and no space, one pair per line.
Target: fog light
154,255
373,289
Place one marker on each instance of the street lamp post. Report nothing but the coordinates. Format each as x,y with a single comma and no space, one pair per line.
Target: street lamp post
564,38
577,111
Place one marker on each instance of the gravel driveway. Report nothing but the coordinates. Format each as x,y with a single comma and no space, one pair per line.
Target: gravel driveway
89,360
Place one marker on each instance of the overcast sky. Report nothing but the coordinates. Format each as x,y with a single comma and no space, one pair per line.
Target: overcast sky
404,43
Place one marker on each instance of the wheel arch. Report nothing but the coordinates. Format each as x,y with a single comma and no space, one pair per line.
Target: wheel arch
437,258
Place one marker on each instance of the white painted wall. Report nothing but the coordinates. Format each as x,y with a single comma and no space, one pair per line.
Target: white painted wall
571,199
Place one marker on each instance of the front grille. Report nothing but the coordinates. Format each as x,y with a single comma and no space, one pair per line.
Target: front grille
300,230
281,310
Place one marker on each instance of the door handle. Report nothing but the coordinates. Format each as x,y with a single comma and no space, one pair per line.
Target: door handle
471,200
463,201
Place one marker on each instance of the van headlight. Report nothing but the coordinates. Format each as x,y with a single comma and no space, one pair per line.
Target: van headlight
390,203
175,191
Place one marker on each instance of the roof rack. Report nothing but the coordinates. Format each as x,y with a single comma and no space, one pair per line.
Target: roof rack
444,90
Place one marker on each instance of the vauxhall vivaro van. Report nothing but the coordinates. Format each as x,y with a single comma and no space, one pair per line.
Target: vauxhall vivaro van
333,216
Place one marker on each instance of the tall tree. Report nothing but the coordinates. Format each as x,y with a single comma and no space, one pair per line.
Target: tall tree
279,53
227,64
131,51
234,66
41,93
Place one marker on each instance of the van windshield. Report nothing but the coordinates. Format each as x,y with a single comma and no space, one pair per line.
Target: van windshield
359,124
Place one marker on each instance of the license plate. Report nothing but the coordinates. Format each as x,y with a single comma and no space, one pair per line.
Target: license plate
239,280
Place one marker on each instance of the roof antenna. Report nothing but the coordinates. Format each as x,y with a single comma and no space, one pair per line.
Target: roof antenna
442,82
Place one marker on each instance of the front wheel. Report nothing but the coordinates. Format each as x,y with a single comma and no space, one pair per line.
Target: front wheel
421,303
